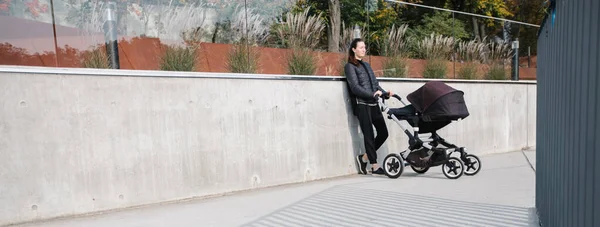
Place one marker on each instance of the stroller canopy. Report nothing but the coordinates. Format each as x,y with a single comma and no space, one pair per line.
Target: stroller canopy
437,101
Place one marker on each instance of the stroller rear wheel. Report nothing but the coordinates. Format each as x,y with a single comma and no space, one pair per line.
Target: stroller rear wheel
393,165
419,170
472,164
453,169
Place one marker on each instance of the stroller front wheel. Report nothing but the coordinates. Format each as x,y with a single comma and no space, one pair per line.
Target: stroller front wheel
393,165
453,169
472,164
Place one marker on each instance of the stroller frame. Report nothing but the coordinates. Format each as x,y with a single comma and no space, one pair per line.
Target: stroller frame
417,141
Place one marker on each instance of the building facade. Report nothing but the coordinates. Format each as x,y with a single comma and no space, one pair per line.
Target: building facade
568,115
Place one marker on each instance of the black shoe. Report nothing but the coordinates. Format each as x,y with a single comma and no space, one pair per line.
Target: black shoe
378,171
362,166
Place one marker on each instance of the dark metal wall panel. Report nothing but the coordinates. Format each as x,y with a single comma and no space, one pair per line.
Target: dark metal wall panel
568,115
593,189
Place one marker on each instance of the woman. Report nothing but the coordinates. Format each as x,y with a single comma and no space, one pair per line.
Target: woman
365,88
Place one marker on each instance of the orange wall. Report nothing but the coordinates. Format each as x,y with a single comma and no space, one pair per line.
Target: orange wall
144,54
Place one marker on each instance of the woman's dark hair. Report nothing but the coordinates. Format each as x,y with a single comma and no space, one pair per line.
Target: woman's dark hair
351,55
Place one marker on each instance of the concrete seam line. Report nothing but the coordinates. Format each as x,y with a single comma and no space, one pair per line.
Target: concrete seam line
528,161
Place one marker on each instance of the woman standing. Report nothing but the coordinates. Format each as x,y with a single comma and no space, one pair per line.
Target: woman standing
365,89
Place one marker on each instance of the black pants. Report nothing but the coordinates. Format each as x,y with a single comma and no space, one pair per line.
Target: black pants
369,116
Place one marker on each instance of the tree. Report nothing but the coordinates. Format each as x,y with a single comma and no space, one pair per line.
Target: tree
380,21
375,15
531,11
441,23
4,7
494,8
34,7
334,26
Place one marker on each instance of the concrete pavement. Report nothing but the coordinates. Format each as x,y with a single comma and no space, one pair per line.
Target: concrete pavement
501,194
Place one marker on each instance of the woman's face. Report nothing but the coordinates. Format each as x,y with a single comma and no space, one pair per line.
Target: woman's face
360,50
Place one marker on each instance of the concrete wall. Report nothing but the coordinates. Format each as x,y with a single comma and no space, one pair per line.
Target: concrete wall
75,141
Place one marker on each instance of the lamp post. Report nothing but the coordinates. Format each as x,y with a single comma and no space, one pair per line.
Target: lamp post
110,35
356,31
515,47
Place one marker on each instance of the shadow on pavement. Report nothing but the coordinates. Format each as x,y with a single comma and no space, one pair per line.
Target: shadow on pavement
351,206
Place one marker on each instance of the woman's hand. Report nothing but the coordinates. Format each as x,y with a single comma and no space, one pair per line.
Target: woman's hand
378,93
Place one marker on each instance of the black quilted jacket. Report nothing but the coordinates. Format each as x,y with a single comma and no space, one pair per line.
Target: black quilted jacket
363,85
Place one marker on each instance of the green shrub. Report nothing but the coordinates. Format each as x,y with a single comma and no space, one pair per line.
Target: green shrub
468,71
394,67
342,66
301,62
242,59
497,72
435,69
97,58
177,58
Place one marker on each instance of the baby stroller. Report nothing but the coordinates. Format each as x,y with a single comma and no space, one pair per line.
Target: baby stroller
433,106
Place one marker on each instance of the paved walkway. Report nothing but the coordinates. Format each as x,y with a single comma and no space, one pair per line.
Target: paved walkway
502,194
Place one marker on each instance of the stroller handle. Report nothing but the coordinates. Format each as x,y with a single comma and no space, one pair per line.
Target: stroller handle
386,95
399,99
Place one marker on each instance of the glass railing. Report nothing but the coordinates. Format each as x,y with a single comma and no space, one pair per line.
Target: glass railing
299,37
27,36
485,51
